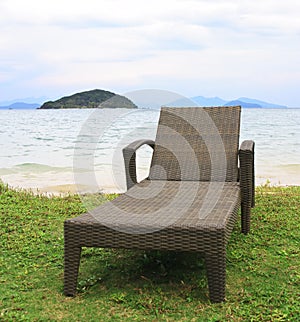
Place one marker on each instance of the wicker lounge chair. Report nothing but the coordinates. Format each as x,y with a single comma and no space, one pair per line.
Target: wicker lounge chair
189,202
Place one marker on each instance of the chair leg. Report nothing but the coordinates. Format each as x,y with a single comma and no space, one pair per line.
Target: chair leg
216,275
246,216
71,261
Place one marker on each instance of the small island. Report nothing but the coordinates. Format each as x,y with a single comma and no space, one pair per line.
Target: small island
96,98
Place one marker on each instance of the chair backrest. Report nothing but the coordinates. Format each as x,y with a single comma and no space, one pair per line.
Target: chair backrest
197,144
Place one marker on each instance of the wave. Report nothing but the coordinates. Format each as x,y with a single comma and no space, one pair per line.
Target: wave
34,168
292,167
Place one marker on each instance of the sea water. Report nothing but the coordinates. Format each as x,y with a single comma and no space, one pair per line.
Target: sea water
81,149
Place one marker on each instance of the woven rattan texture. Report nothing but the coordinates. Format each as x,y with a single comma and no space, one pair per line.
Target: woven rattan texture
197,144
136,223
190,202
163,213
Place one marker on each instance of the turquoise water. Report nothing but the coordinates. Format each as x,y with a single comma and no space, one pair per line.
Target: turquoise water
37,147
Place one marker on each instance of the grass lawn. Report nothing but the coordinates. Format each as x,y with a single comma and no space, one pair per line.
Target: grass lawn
263,269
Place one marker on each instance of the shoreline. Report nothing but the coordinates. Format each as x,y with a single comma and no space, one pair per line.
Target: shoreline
64,190
61,181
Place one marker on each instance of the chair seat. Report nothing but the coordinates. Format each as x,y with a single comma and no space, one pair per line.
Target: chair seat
174,215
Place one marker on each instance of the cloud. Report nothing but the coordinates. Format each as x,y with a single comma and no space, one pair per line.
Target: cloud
199,47
270,17
131,12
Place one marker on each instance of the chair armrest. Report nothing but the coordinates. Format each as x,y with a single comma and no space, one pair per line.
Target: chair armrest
247,175
129,155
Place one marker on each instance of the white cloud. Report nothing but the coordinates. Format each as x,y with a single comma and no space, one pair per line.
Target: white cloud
117,12
53,45
271,16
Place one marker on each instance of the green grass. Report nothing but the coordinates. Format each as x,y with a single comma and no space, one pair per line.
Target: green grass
116,285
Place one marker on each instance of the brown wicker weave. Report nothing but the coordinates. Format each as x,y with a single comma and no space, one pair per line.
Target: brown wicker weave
189,202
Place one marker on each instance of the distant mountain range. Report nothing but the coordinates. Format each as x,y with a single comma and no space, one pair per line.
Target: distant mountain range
20,106
243,101
97,97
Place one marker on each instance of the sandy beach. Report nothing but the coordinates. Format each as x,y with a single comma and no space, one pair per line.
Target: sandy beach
62,183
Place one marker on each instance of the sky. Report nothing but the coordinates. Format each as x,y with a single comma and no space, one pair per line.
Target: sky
230,49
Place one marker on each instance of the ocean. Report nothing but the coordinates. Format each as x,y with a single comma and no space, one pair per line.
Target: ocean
79,150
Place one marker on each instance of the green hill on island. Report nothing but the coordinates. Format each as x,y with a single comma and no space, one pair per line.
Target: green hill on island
96,98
